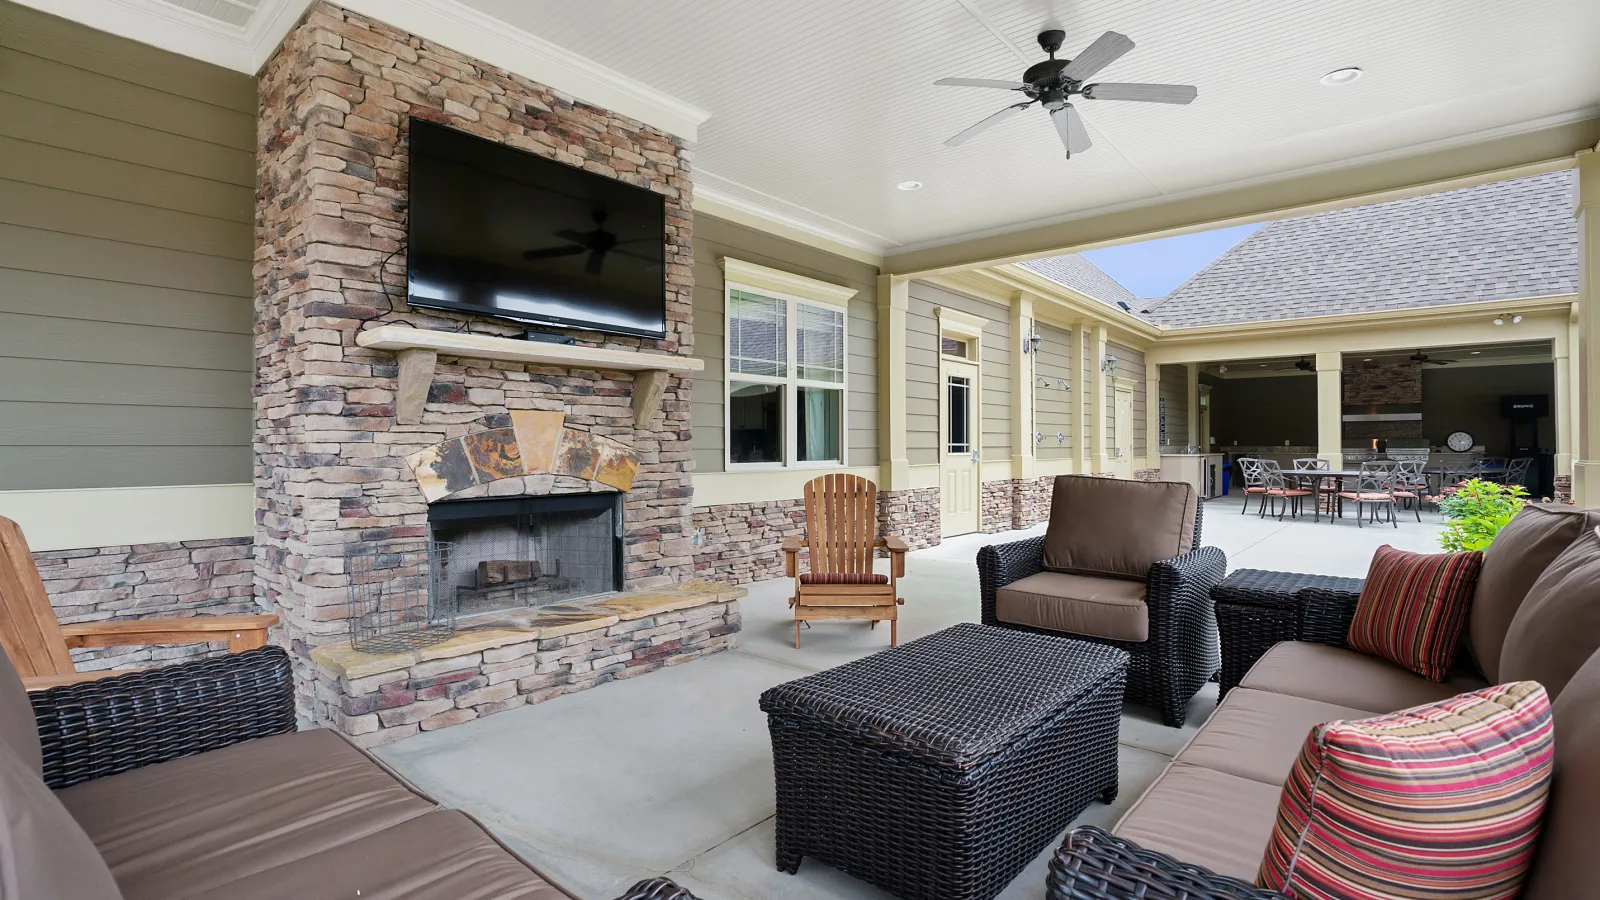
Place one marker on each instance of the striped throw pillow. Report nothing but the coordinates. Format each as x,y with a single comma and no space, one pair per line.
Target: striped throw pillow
1441,801
1413,608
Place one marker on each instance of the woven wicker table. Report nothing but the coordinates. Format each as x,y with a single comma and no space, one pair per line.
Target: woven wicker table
1257,609
940,768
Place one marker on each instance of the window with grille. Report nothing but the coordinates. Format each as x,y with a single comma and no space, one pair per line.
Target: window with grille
786,380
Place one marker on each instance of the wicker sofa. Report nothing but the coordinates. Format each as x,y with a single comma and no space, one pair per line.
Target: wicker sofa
1200,830
1163,619
191,781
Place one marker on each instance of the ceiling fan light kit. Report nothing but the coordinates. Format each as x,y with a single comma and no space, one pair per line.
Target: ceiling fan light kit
1053,82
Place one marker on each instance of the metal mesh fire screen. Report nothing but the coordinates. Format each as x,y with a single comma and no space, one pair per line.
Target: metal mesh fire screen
396,597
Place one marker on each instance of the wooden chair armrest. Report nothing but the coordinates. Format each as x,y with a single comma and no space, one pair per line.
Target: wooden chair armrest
45,682
241,632
792,545
893,543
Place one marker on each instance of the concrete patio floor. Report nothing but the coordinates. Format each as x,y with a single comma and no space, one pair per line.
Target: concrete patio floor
672,773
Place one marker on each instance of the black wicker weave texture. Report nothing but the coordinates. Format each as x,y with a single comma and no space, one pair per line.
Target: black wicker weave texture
939,769
1256,609
1182,652
1095,865
656,889
115,724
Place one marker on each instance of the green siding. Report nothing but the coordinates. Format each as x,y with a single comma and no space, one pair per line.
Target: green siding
126,215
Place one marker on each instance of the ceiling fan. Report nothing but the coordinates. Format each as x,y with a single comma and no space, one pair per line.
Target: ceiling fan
1422,358
596,243
1304,365
1050,83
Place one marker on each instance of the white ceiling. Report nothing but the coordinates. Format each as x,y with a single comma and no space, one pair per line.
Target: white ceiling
818,108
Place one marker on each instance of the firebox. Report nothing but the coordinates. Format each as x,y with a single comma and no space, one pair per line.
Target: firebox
513,552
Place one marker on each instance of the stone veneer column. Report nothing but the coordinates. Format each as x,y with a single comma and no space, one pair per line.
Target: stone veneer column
331,210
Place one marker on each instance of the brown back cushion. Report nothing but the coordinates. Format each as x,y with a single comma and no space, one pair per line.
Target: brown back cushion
1117,529
43,851
1558,627
1519,555
19,732
1567,866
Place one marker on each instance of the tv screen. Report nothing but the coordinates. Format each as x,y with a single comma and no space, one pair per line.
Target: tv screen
500,232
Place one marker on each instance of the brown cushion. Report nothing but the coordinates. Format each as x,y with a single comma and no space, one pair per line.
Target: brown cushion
1519,555
1116,528
1205,817
1566,866
443,855
183,828
1347,678
1413,608
43,852
1557,628
1258,734
1110,608
19,731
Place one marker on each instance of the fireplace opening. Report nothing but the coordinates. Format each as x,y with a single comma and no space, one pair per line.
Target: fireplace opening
509,553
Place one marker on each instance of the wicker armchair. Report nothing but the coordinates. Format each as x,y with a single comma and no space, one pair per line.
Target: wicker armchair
1181,654
1095,865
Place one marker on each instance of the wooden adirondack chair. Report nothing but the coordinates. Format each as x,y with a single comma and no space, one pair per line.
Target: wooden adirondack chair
841,533
37,644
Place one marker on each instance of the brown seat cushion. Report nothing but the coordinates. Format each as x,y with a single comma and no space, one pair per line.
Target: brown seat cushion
1347,678
1205,817
1566,866
43,852
1557,628
1115,528
1258,734
19,731
443,855
1110,608
1519,555
179,829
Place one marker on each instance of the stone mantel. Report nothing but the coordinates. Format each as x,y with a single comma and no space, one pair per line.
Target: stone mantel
418,350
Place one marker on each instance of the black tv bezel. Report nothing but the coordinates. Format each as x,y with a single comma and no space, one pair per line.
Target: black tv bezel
553,321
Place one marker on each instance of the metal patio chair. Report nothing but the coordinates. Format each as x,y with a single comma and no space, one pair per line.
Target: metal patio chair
1254,486
1372,491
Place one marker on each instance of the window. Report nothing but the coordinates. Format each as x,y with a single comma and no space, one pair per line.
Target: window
960,414
950,346
786,376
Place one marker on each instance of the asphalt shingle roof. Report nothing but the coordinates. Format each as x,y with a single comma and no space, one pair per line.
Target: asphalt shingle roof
1084,277
1498,241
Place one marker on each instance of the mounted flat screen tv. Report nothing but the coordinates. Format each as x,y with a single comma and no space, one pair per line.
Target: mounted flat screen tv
497,231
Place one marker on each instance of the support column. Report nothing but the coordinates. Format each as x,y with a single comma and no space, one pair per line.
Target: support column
1100,403
1562,407
1023,447
894,466
1082,385
1192,392
1152,415
1330,407
1586,452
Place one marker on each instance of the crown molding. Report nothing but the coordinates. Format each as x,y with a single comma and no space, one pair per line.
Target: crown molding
713,202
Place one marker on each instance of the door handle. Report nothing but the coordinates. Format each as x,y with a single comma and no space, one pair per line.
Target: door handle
975,456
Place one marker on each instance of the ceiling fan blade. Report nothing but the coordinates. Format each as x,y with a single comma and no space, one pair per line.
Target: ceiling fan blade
1143,93
981,82
1069,126
990,122
596,258
1441,362
573,235
552,252
1105,50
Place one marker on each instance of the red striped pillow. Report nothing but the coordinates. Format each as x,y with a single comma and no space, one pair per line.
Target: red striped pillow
1413,607
1441,801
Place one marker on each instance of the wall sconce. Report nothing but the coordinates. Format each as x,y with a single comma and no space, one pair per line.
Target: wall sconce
1108,365
1032,342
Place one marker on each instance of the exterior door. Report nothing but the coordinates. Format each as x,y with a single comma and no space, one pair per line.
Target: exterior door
1122,433
959,449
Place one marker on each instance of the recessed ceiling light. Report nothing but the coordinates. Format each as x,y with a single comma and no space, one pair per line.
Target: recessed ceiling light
1341,76
1476,352
1367,359
909,185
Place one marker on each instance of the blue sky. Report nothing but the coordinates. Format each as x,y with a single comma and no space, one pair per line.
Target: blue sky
1154,268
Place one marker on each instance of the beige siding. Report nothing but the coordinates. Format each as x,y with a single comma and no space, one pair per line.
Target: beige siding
922,372
1130,365
1175,390
716,238
126,207
1053,405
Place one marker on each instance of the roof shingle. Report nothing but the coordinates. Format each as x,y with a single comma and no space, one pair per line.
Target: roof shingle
1083,276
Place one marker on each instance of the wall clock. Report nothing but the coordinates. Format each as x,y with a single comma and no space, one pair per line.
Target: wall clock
1460,442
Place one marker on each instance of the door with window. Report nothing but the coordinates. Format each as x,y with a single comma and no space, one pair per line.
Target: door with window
1122,433
958,467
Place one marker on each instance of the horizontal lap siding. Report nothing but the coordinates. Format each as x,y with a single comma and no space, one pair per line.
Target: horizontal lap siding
717,238
1130,365
922,372
126,214
1175,391
1054,404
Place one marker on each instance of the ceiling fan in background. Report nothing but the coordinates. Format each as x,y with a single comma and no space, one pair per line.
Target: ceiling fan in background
1423,359
1303,365
596,243
1052,82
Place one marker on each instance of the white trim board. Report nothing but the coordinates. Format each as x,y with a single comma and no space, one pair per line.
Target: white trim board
79,518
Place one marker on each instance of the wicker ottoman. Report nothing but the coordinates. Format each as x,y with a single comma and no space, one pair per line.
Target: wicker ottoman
940,768
1257,609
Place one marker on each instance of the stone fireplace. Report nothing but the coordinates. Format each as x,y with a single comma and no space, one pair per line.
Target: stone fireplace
337,467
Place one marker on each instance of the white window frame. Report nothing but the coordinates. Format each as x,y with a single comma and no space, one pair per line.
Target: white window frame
793,290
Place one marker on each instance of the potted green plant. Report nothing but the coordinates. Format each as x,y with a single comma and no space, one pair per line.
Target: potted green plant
1477,511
